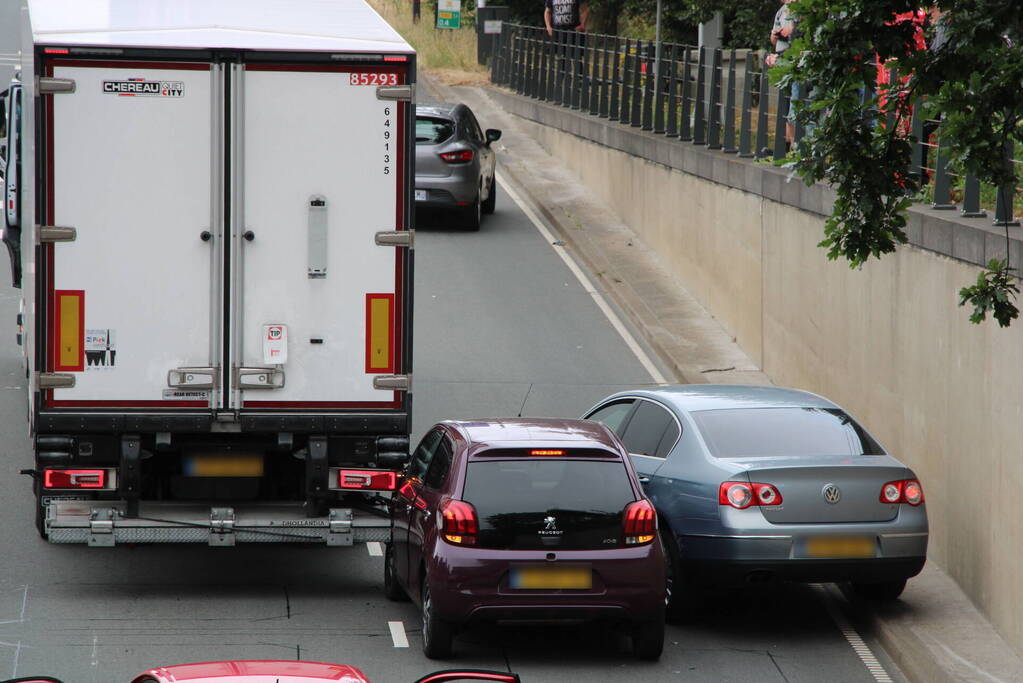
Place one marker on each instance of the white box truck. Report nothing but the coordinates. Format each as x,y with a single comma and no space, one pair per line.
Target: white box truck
208,212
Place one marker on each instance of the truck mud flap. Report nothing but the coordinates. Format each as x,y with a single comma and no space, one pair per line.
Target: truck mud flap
103,523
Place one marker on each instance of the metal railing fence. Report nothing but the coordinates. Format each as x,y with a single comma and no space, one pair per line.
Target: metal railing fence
720,99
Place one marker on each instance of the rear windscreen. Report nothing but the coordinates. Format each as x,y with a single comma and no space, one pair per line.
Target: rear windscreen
773,432
534,504
431,131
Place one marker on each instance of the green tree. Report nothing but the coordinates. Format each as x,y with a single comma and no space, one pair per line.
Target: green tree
971,78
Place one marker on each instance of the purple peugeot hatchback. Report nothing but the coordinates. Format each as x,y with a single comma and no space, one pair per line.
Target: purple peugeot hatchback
525,519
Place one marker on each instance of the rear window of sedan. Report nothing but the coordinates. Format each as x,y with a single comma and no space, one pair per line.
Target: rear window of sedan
774,432
432,131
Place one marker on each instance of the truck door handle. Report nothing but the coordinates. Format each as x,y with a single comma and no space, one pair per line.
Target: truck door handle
249,235
205,235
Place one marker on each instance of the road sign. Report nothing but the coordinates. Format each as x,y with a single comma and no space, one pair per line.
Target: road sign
449,13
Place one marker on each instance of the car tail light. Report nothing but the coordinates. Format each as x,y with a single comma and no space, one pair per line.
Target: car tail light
367,480
74,479
459,157
548,451
903,491
457,522
639,521
741,495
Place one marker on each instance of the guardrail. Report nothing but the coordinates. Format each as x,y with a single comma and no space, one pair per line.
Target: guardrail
721,99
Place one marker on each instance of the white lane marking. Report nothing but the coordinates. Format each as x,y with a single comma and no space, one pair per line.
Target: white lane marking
602,304
375,549
853,638
398,633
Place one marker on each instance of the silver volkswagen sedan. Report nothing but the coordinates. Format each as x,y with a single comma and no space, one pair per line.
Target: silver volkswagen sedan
455,162
754,484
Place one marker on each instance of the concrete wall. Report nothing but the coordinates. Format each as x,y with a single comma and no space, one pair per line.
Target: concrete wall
887,341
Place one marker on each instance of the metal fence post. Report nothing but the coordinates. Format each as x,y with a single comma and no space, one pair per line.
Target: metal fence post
605,85
623,114
575,63
699,123
761,150
971,198
659,84
636,96
729,135
648,87
746,122
671,129
614,106
685,130
520,71
781,113
1004,196
594,71
942,181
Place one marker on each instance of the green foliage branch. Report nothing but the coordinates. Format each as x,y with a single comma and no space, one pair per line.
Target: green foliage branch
857,131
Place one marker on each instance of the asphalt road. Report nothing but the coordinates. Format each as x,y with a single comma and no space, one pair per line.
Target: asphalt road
502,328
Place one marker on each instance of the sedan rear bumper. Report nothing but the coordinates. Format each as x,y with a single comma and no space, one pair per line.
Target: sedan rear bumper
461,186
732,572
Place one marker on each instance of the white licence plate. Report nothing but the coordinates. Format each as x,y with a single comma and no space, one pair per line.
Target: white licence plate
421,195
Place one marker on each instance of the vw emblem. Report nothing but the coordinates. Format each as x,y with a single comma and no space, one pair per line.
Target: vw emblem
550,521
832,494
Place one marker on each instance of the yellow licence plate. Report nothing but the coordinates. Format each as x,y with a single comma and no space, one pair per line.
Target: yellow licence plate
551,578
224,466
854,546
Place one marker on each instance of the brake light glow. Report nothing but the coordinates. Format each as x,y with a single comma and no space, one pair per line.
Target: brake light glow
55,50
367,480
395,59
410,492
907,491
540,451
74,479
458,522
639,522
741,495
457,157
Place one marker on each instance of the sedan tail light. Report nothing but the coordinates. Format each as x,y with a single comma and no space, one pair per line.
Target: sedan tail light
459,157
741,495
903,491
639,522
458,522
74,479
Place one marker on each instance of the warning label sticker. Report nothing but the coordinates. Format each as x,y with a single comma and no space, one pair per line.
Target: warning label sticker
185,395
100,350
140,87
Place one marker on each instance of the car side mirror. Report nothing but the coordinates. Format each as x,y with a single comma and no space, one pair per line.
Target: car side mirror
470,675
493,135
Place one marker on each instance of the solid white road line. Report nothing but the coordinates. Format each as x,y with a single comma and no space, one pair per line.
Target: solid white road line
602,304
853,638
375,549
398,633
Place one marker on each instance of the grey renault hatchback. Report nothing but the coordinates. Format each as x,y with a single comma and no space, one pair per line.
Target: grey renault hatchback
753,484
455,162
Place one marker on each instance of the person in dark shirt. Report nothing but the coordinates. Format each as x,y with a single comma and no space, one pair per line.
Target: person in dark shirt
565,15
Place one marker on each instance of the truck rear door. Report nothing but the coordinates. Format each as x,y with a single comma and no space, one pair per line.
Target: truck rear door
319,301
130,163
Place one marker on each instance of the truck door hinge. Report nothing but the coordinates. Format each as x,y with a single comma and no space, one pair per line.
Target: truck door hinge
54,233
193,378
47,85
393,382
221,526
397,93
258,378
339,529
396,238
55,380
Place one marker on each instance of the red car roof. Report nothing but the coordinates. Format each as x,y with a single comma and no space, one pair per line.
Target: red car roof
511,431
253,671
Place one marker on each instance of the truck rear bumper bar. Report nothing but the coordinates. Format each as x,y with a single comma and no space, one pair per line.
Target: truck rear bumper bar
102,523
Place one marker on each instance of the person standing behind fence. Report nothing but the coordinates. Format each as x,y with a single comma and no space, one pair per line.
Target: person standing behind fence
566,23
781,38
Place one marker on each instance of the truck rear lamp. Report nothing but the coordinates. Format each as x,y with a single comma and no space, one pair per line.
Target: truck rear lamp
639,522
55,50
741,495
457,522
76,479
907,491
367,480
460,157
